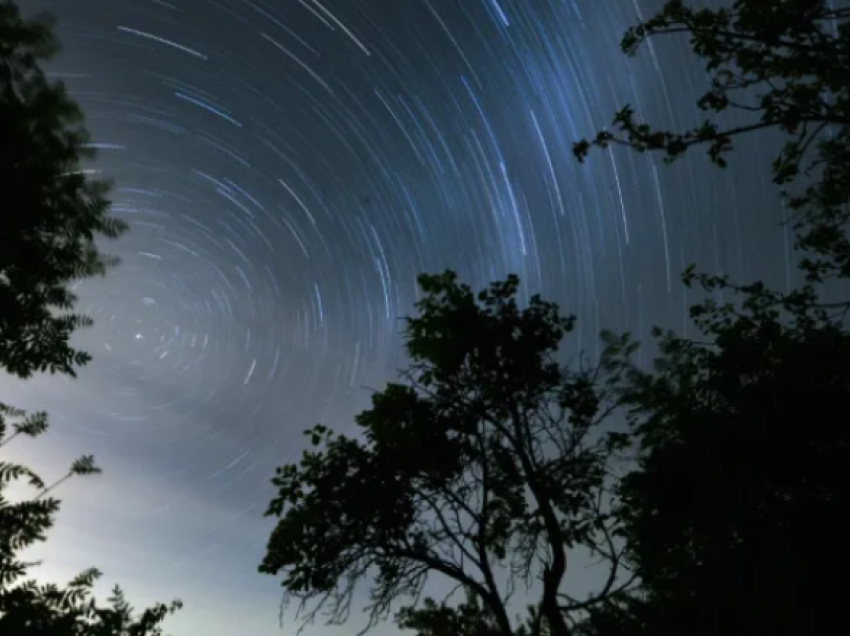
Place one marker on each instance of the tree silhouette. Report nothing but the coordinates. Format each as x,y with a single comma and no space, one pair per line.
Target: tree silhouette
51,215
735,516
485,466
468,617
53,209
778,64
31,609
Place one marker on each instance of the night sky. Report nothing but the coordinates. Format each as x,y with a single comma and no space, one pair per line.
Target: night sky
288,167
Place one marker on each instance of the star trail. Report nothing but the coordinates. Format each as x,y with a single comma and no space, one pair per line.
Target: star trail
288,167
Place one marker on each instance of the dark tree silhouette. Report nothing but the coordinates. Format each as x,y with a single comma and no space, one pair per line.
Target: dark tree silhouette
28,608
735,516
51,214
778,64
52,209
485,466
469,617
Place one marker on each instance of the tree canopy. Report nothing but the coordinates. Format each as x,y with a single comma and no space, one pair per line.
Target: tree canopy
779,65
485,465
734,515
53,208
51,216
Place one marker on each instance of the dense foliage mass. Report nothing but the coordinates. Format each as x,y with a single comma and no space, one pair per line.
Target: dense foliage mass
52,208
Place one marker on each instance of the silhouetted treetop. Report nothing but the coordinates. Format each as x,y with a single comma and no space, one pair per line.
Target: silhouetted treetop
484,466
53,209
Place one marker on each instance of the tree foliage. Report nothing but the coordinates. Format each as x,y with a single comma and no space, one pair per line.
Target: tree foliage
485,465
28,608
52,214
776,64
736,512
53,210
468,617
735,515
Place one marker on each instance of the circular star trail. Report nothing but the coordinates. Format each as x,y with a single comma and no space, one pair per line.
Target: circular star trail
288,167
